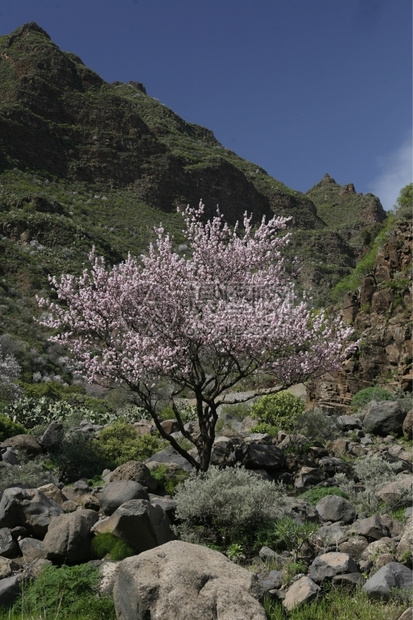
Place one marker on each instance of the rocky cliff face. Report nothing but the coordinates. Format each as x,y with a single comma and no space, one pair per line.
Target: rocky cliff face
56,115
357,217
380,311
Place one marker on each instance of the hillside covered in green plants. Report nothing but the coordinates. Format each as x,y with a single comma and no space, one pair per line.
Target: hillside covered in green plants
85,163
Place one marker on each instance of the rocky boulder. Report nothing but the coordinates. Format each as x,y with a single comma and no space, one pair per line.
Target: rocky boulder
117,493
139,523
331,564
68,539
304,590
383,418
179,580
392,575
136,471
336,508
29,508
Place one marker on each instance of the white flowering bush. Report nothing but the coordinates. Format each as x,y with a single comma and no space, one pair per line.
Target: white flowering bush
9,373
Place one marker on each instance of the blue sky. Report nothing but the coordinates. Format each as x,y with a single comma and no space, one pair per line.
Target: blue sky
299,87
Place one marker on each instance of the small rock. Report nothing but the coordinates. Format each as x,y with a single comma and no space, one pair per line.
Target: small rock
304,590
392,575
329,565
335,508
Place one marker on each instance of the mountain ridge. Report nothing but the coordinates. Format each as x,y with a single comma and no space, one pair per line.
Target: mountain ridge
86,163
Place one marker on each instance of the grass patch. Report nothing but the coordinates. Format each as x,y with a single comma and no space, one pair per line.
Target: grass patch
339,604
68,593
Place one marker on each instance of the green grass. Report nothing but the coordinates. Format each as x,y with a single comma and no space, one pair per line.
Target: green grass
339,604
66,593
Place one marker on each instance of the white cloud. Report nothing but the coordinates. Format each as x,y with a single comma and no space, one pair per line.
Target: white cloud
396,173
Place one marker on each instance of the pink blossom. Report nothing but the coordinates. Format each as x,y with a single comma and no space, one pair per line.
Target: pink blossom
203,323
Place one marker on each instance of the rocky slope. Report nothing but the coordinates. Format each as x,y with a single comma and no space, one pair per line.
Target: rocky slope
380,311
357,217
59,117
347,526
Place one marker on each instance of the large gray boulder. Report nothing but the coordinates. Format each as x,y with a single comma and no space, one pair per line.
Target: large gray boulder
27,507
371,528
23,443
139,523
383,418
392,575
169,455
181,581
9,590
117,493
335,508
68,540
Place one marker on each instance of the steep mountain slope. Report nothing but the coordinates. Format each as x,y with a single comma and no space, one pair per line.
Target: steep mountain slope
380,311
58,116
85,163
357,217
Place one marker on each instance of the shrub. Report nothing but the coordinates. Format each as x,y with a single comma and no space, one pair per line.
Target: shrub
285,534
278,410
9,373
167,478
316,425
67,592
226,506
32,473
107,543
266,428
120,443
373,472
78,456
363,397
32,412
8,428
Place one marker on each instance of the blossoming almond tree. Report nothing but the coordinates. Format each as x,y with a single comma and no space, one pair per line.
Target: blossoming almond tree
201,322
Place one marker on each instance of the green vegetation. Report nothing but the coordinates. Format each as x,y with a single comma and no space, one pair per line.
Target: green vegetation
365,396
316,425
169,478
365,265
277,412
285,534
68,592
338,604
107,544
32,473
120,443
314,495
8,428
226,506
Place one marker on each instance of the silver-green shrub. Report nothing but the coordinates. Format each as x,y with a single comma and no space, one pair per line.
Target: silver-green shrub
225,506
32,474
316,425
373,472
